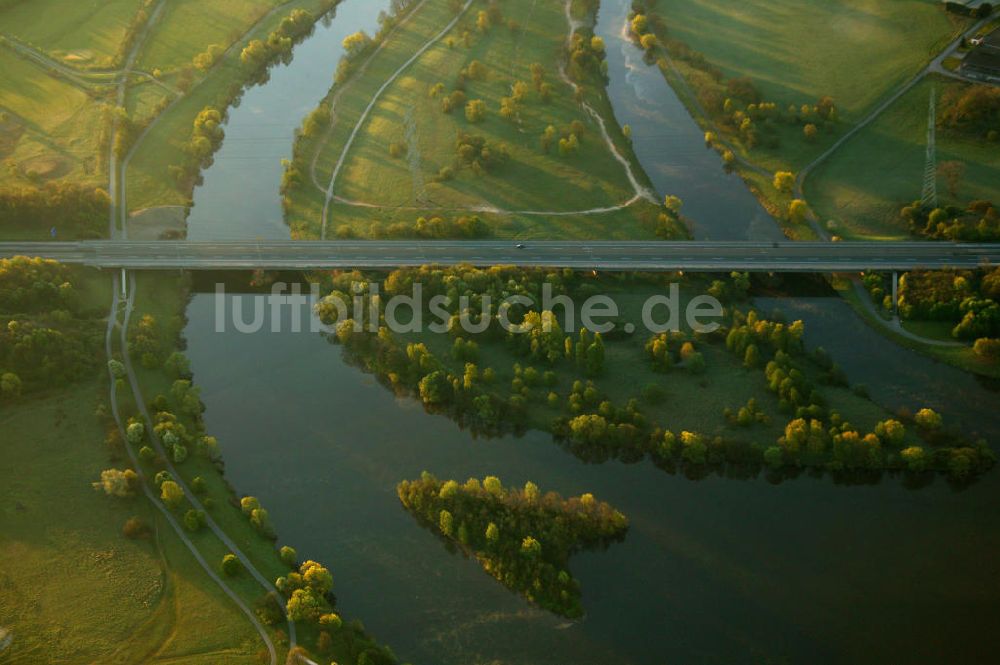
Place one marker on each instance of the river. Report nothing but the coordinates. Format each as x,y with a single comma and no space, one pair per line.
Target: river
238,199
670,145
712,571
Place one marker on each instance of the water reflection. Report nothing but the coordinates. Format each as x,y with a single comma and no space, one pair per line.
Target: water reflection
670,145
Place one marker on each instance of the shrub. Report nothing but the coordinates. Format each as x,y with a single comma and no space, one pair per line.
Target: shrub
231,565
135,528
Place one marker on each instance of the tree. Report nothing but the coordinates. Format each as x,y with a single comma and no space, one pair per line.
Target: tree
435,388
569,145
260,519
316,577
928,419
797,211
649,42
784,181
118,483
117,369
537,75
952,171
445,522
356,43
171,493
475,111
10,386
288,556
640,24
987,348
891,432
492,533
595,356
673,203
531,547
810,131
331,620
483,22
305,605
548,137
248,504
915,458
135,528
194,520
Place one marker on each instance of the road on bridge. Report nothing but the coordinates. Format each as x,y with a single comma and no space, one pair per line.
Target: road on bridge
596,255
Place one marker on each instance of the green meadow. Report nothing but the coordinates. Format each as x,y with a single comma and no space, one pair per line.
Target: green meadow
407,142
81,34
855,51
187,27
51,128
148,179
862,186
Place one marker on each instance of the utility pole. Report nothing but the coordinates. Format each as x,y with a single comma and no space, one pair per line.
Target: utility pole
929,197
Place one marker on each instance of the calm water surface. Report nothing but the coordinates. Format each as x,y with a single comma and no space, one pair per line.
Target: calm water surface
239,197
712,571
670,145
717,570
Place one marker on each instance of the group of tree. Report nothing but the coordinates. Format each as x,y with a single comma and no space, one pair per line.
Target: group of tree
74,210
666,350
258,55
44,343
462,227
735,104
473,151
145,343
969,299
978,222
972,111
521,537
587,57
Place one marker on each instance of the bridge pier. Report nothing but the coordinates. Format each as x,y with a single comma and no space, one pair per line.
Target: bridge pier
124,285
895,293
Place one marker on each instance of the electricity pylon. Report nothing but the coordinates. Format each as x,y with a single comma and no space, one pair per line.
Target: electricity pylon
929,197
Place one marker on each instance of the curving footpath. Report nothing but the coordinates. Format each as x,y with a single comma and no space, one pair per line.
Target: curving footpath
119,206
209,570
371,105
641,192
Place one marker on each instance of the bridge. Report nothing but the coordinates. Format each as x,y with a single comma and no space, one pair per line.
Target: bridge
691,256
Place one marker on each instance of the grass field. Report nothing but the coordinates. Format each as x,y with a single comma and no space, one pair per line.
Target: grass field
407,186
85,33
863,185
51,127
149,182
73,589
856,52
163,298
187,27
